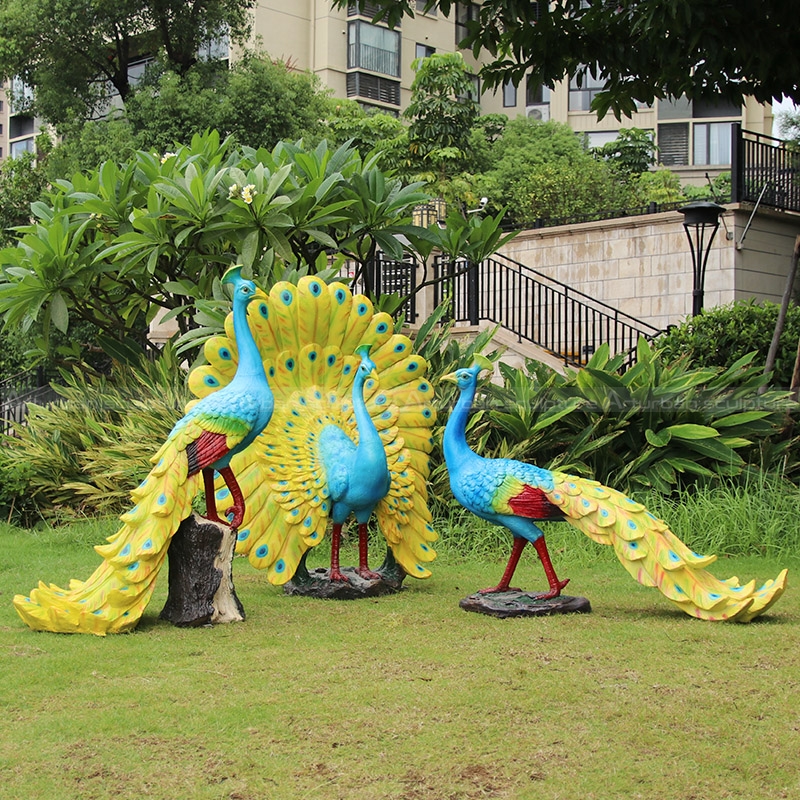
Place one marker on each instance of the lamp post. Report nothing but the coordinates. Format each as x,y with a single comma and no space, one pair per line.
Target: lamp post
700,221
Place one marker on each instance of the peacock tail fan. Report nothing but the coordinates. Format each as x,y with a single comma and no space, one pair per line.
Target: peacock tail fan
114,597
308,334
655,556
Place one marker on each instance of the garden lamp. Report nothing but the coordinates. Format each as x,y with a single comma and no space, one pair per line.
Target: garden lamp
700,221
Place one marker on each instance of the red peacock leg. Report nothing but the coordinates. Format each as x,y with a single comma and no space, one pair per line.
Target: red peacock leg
363,556
555,584
336,573
236,493
516,552
211,501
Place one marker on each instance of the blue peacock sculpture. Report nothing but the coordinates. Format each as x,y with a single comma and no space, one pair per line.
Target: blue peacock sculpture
517,495
351,432
205,440
356,475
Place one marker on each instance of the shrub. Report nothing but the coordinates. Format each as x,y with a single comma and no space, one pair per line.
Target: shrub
721,336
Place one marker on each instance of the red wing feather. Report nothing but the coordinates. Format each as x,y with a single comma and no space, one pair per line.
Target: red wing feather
205,450
533,504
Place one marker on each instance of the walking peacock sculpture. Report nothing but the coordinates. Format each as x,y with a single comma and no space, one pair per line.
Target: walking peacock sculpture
350,432
211,433
516,495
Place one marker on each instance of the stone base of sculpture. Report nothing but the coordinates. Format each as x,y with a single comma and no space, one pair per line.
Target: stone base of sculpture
317,582
201,590
523,604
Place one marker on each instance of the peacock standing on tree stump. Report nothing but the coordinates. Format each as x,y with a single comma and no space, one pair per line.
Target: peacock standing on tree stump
515,495
345,424
205,440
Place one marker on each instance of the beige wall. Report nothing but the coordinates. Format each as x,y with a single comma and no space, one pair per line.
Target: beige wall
643,266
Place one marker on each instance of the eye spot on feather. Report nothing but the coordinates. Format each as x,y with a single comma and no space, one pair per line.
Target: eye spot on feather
97,612
315,288
423,387
286,297
289,364
307,522
413,366
211,381
331,360
302,401
225,354
221,494
162,499
382,327
603,511
324,507
340,296
280,566
419,568
125,550
361,309
674,557
400,347
148,545
263,309
380,400
262,551
318,394
133,566
348,368
272,372
312,356
386,415
242,535
314,536
632,525
426,412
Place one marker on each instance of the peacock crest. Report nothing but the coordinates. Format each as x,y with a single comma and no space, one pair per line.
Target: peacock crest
309,336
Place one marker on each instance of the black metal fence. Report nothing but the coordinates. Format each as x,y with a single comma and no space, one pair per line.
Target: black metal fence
17,392
537,309
388,276
764,170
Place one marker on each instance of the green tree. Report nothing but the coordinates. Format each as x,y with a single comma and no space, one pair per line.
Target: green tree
631,153
76,54
641,49
442,111
22,180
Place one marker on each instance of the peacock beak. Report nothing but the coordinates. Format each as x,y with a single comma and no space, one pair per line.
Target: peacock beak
260,293
450,377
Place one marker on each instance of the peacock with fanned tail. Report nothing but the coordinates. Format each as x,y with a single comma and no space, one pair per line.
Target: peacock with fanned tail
516,495
205,440
345,424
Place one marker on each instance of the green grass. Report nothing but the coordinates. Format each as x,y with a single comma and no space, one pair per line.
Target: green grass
405,697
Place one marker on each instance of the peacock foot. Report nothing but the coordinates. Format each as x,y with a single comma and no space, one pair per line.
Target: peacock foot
498,589
335,574
368,574
554,591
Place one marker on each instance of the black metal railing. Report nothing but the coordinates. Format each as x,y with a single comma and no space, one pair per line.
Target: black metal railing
764,170
387,276
16,392
537,309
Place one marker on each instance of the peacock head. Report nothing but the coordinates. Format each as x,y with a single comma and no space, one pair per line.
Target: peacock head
367,365
467,377
243,290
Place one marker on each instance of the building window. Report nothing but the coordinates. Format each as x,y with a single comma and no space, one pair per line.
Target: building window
22,146
673,144
509,95
465,12
431,12
371,10
423,51
535,93
20,125
581,94
711,143
373,48
371,87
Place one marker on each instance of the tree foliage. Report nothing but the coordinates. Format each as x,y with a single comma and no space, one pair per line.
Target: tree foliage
120,243
78,53
640,49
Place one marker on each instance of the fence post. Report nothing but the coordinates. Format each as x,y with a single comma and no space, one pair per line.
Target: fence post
473,300
737,163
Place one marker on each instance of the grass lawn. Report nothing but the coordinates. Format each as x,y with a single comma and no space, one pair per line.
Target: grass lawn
404,697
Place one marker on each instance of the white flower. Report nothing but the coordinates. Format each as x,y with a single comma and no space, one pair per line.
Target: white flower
233,191
167,156
248,192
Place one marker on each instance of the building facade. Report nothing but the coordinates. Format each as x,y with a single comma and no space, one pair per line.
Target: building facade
372,65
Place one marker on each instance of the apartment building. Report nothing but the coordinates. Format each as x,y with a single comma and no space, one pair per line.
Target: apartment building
372,64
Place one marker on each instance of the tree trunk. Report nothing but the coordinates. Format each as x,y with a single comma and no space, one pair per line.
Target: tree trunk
201,588
787,296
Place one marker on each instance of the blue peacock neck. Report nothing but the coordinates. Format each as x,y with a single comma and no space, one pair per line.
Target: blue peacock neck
250,365
370,452
456,449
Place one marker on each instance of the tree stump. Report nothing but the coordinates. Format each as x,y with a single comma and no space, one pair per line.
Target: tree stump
201,590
